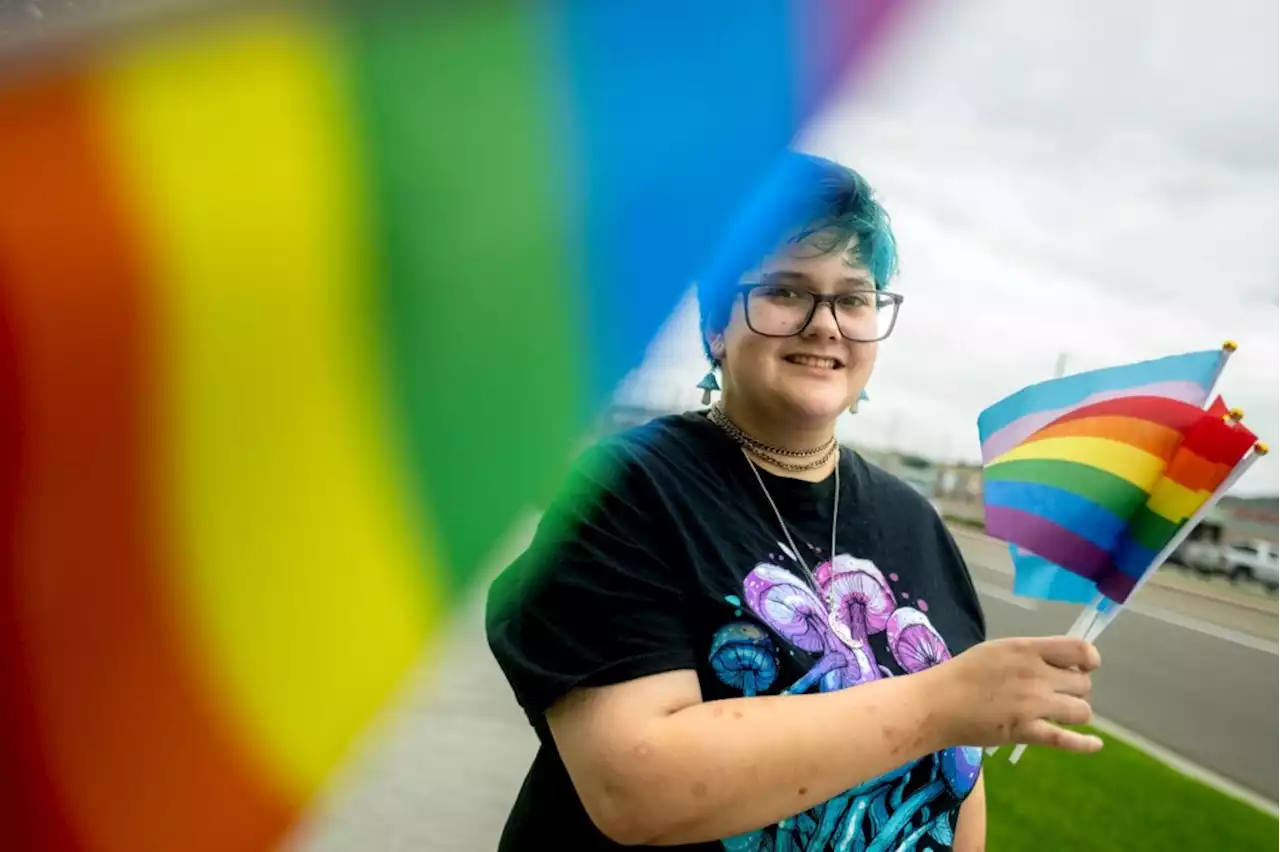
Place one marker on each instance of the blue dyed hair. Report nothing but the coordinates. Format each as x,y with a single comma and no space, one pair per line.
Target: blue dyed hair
805,199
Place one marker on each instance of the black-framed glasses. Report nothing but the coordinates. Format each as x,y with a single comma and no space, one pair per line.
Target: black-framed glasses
781,310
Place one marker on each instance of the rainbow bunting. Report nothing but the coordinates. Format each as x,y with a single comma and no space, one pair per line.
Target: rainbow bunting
297,310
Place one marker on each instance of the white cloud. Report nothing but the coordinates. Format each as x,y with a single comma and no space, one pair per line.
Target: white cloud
1062,176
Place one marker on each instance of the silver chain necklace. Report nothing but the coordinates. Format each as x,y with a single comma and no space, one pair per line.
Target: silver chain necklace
835,520
827,599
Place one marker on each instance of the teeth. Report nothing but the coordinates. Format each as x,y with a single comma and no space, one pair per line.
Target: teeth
811,361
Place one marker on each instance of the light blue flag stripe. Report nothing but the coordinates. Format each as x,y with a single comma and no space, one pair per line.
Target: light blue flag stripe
1197,367
1036,577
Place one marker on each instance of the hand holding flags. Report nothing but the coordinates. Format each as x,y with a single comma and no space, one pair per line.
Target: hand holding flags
1095,479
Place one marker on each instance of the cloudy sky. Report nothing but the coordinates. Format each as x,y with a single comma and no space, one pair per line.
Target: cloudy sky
1094,177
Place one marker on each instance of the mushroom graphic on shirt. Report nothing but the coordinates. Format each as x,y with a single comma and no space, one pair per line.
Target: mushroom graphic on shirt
914,642
862,606
784,602
743,657
885,813
917,646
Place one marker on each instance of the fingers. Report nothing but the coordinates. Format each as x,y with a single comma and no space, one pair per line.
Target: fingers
1070,682
1045,733
1069,710
1064,652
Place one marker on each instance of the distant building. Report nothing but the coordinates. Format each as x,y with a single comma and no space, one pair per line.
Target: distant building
1240,519
920,473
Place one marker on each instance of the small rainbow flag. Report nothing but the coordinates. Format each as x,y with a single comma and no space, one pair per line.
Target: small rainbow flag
299,306
1212,448
1083,475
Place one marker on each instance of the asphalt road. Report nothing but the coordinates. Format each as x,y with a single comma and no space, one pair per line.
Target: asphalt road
443,768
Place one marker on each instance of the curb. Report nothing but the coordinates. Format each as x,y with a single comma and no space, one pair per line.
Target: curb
1208,594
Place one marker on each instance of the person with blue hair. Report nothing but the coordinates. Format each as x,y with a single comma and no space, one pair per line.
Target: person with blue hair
729,631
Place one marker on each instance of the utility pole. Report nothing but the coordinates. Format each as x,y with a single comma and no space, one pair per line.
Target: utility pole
893,432
1060,368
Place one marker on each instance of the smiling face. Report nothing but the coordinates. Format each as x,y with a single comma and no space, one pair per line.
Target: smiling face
807,379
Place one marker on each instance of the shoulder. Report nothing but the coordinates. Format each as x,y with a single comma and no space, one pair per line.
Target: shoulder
619,489
664,439
660,451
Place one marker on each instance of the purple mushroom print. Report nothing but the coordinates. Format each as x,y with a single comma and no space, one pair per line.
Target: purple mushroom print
863,604
914,642
743,657
785,603
885,813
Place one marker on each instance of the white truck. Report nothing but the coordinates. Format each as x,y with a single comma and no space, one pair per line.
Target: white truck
1255,560
1241,561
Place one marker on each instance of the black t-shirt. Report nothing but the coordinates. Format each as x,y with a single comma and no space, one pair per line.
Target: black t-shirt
663,553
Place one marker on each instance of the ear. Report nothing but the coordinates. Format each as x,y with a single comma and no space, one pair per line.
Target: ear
715,342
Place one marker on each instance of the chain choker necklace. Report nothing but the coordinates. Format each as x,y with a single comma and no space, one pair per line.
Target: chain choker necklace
818,456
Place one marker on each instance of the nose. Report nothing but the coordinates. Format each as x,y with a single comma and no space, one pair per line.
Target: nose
823,323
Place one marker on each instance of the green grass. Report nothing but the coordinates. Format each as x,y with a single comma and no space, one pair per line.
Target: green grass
1119,799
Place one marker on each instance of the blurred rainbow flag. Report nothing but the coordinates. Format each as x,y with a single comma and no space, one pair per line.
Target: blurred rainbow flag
1090,477
298,308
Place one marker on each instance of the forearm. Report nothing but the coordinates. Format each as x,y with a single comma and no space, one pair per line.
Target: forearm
721,768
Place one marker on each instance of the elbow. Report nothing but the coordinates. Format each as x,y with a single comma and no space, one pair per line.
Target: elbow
631,809
624,832
620,814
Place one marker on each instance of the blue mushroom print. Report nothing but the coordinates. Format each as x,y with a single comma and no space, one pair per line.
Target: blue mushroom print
744,658
960,768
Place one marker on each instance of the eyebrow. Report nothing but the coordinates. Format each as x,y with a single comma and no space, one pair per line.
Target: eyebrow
785,276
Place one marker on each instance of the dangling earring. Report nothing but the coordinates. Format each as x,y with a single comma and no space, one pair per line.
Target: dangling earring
709,384
862,396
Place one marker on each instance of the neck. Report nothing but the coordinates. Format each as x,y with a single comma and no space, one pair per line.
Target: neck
787,436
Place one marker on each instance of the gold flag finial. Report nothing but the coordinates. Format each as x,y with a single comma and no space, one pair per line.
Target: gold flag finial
1261,448
1230,346
1236,414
